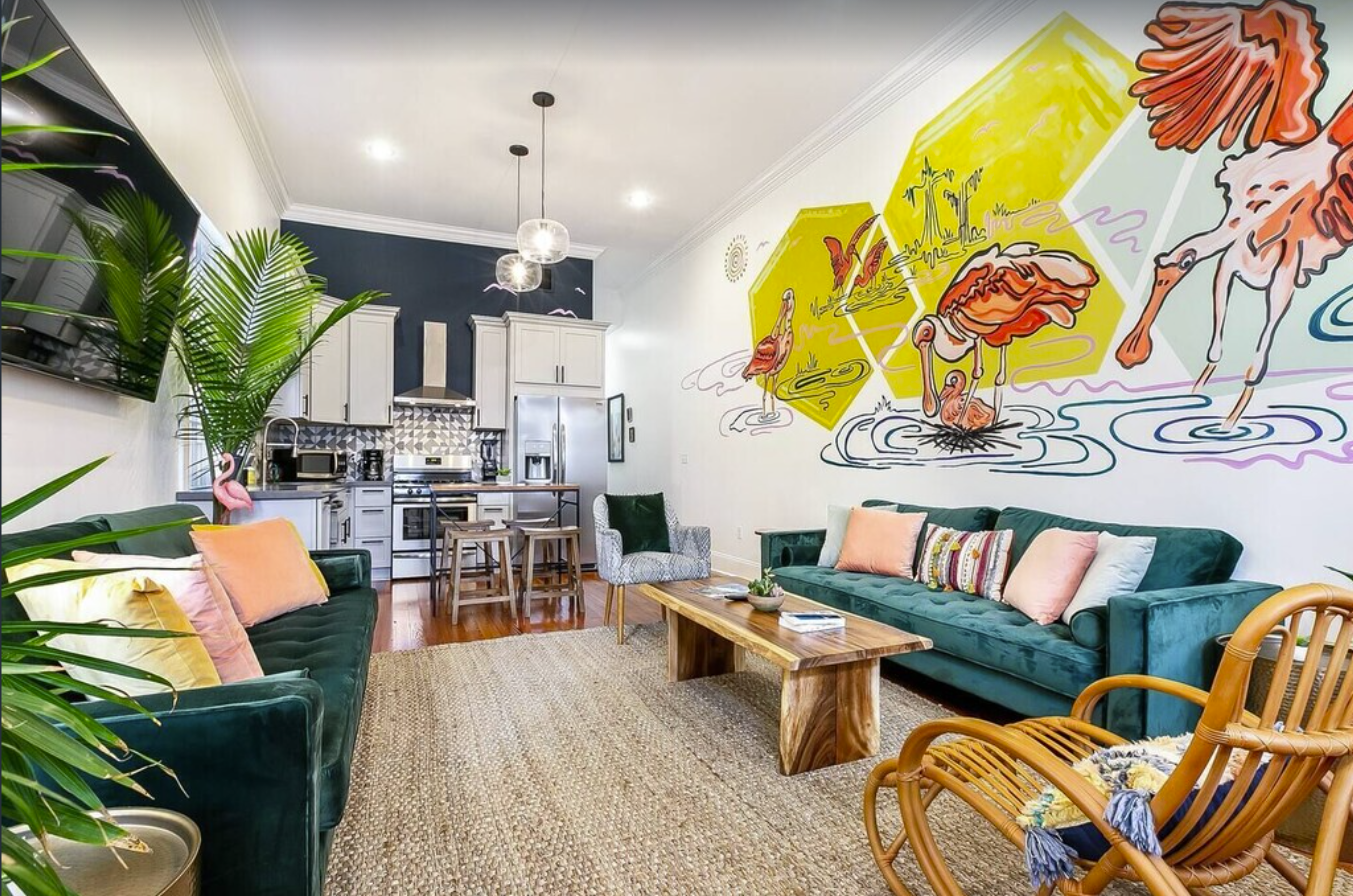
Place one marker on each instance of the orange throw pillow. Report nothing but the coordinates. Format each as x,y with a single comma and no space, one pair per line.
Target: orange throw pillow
881,541
1047,576
263,568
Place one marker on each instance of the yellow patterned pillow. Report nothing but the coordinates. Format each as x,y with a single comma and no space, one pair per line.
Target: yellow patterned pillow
130,599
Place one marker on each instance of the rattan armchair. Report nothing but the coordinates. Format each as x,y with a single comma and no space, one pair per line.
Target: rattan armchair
1302,739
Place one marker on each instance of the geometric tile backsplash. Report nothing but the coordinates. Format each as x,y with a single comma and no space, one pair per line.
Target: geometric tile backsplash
415,431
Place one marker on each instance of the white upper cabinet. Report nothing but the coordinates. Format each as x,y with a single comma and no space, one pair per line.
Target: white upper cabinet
349,377
371,368
490,373
556,355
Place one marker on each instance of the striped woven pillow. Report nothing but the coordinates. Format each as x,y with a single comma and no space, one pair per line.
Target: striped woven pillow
971,562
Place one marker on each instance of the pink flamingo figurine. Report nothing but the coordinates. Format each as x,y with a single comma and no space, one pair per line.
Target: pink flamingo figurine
229,493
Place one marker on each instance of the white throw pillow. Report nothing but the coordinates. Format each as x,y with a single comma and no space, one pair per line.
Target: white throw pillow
1118,568
837,518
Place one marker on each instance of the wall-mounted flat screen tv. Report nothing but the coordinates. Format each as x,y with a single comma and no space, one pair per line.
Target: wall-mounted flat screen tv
68,311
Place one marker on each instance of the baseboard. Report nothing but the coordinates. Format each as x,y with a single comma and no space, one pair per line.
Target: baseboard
731,565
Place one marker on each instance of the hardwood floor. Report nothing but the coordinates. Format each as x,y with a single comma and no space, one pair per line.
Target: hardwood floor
405,622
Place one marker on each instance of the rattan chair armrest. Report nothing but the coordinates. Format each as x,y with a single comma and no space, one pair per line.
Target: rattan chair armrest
1283,743
1089,698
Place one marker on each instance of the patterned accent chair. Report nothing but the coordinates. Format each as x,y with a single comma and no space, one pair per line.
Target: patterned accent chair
690,559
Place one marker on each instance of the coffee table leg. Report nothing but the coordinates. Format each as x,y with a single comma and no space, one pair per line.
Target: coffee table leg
828,715
694,651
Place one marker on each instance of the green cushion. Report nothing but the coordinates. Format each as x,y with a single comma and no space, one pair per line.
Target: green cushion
12,610
981,631
172,542
641,521
965,519
1090,627
1184,557
333,641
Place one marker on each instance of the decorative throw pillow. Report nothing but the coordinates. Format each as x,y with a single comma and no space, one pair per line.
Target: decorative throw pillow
1047,576
262,568
641,521
1056,831
971,562
210,612
837,518
881,541
1118,568
129,599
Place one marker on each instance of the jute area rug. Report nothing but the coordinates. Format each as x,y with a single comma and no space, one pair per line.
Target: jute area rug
566,764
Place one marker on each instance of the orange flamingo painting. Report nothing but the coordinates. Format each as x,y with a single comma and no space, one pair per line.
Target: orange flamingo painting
229,493
1248,74
1000,295
873,259
842,260
771,354
958,410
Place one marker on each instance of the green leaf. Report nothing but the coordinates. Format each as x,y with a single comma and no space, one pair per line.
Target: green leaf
28,867
11,130
55,166
95,629
43,492
43,551
60,682
53,578
32,66
71,658
1346,575
43,739
46,256
30,308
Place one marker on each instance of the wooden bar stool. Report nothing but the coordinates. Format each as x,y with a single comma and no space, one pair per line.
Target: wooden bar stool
562,558
456,537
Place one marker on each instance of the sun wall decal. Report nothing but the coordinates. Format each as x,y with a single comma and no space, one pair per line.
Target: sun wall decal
735,259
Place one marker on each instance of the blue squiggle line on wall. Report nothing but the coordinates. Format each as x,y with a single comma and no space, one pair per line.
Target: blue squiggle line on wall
1333,320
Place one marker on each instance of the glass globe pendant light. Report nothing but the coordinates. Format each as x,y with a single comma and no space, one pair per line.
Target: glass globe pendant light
513,272
542,239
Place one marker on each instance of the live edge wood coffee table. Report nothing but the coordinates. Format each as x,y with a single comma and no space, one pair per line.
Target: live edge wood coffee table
829,696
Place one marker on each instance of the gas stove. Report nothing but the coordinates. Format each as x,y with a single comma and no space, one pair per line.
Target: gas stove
414,473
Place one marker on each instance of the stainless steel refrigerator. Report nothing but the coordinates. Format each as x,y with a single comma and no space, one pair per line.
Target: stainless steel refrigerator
571,434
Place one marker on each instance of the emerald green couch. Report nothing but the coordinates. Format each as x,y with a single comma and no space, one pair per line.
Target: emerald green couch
994,651
263,765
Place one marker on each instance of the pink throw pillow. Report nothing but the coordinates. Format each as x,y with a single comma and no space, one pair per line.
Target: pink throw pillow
880,541
211,615
1047,576
263,568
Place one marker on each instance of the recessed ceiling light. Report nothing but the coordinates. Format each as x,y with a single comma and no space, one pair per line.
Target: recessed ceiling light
639,199
382,150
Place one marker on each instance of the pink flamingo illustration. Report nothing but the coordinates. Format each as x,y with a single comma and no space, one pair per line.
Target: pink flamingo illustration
1251,71
1000,295
229,493
843,260
960,410
771,353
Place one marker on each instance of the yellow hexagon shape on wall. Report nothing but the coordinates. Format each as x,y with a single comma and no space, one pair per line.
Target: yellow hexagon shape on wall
993,169
806,354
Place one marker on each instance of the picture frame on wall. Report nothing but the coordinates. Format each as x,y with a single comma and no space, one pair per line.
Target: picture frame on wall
615,428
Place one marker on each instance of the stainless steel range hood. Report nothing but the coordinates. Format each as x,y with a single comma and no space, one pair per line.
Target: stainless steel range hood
434,393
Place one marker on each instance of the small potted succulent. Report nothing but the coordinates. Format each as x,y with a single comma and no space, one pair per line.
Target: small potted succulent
765,593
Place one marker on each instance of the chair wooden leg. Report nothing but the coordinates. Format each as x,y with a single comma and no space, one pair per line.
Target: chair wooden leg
884,776
442,582
528,577
1325,856
576,562
505,564
620,614
606,613
456,559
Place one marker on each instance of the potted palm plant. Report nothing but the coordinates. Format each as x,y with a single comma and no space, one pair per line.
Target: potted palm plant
49,742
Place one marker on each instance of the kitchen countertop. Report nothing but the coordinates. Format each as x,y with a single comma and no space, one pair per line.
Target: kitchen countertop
451,488
285,491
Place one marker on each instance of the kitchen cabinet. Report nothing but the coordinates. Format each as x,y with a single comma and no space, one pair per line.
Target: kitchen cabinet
373,516
490,372
494,508
349,377
310,516
565,356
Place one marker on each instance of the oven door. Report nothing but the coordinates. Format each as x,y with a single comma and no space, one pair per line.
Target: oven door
413,522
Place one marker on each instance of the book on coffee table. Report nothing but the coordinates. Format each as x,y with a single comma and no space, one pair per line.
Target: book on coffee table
812,622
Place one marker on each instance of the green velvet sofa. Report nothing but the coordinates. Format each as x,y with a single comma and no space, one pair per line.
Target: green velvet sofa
263,765
994,651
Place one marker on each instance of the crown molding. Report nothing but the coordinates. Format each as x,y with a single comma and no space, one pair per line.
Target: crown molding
208,28
425,230
902,80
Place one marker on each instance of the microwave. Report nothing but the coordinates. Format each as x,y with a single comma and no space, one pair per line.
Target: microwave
312,464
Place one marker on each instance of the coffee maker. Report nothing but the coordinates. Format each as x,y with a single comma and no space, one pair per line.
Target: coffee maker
373,465
488,458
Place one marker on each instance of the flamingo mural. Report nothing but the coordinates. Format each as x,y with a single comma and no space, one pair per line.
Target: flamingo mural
842,260
227,492
1000,295
1250,75
772,352
873,260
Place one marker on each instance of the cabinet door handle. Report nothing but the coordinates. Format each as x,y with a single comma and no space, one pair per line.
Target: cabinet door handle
563,374
373,510
345,412
305,405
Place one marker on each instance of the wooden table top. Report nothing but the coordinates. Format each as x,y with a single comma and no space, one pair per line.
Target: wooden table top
761,633
469,488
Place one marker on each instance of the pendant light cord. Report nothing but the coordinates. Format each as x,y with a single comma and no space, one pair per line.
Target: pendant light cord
518,191
542,161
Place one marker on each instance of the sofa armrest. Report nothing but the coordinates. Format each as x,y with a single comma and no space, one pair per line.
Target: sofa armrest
1170,634
344,570
247,758
791,547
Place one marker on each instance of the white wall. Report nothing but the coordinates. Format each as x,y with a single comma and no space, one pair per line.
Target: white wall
149,56
686,315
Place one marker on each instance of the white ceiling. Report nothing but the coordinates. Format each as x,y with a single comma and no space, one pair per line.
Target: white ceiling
689,100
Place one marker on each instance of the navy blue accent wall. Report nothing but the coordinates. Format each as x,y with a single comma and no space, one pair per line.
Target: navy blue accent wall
433,280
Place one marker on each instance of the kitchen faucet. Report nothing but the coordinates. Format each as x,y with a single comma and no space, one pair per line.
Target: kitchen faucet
295,446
